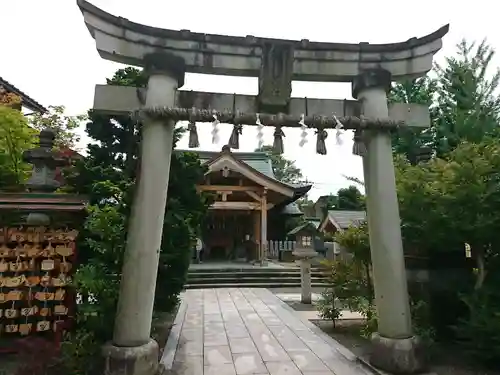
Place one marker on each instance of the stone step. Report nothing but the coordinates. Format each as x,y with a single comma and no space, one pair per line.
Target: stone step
252,270
265,277
247,279
249,274
250,285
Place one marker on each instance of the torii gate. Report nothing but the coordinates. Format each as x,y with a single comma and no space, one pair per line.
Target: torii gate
166,55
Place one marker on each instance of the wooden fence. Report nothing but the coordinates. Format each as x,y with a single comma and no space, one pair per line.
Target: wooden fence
275,247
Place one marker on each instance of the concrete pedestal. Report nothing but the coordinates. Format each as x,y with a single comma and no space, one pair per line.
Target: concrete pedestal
398,356
305,281
137,360
304,259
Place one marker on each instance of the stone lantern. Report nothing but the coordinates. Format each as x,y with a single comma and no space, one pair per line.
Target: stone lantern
45,162
304,252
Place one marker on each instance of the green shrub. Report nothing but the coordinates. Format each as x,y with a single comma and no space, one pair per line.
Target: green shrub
348,289
479,334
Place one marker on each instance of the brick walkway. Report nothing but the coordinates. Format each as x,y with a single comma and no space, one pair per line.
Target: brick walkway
250,331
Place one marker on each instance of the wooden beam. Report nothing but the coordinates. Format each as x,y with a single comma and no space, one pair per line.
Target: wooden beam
235,206
254,195
243,206
230,188
224,194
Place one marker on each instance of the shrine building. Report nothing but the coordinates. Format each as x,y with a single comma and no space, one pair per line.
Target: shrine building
251,204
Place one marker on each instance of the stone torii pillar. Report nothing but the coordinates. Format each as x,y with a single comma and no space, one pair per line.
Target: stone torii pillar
394,348
132,351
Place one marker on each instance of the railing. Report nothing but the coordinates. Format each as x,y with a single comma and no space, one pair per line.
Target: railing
275,247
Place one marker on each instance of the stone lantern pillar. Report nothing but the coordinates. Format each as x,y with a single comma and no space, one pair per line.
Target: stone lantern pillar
45,162
395,348
304,252
132,351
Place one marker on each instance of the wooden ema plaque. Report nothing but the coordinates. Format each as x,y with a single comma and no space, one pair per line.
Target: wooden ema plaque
35,275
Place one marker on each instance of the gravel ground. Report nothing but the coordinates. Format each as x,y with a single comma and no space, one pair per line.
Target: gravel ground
445,361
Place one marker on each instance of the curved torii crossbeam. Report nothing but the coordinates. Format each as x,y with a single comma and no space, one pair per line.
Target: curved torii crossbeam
118,39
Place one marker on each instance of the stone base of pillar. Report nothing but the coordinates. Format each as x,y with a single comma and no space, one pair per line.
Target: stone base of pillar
306,300
137,360
398,356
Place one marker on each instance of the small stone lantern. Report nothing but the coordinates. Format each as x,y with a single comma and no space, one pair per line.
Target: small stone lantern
304,252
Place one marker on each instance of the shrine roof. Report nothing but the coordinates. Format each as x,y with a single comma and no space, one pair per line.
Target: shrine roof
316,221
26,100
308,225
343,219
260,162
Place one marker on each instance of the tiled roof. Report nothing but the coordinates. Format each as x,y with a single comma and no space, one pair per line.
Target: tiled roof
257,160
345,219
316,221
305,225
26,100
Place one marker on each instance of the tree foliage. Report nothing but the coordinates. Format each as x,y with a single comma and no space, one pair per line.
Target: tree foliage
462,100
15,138
349,198
63,125
468,107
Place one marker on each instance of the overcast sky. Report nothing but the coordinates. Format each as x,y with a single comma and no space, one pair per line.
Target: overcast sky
48,53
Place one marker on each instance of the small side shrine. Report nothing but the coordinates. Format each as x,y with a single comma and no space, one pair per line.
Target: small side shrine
38,253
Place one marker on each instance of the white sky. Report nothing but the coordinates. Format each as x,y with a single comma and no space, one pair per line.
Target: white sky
48,53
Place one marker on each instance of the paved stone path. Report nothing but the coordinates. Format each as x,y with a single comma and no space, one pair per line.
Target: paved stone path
250,331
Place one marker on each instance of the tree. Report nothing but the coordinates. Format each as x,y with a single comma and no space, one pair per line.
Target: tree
285,170
463,103
63,125
357,241
15,138
350,198
457,199
468,107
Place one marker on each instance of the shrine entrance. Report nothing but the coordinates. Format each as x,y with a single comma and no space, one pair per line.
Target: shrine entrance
229,236
166,56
